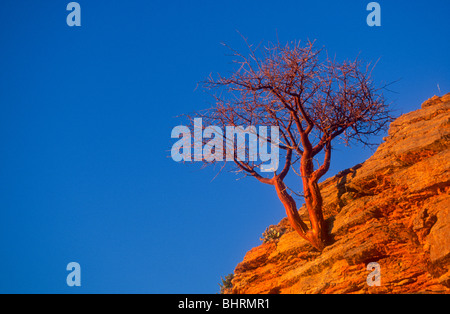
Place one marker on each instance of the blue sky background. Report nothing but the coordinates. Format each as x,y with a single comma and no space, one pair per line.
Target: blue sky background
85,120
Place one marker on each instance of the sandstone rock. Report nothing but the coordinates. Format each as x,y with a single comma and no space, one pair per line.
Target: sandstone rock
412,137
431,173
445,279
439,237
352,214
394,209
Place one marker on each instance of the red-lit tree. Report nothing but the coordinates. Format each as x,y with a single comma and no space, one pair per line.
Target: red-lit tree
313,100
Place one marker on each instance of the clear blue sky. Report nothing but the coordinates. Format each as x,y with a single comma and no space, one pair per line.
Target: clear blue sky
85,122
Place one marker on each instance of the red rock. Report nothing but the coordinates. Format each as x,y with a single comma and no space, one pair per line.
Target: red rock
394,209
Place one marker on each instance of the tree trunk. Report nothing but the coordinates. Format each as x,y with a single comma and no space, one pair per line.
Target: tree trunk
313,202
291,210
314,236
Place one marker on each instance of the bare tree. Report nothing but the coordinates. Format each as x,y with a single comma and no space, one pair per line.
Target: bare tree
313,100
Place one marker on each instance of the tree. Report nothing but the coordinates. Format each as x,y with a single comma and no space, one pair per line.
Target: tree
313,100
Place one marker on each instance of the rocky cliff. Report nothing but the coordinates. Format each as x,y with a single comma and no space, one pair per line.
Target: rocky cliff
394,209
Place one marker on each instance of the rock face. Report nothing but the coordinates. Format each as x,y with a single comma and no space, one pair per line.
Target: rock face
394,209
